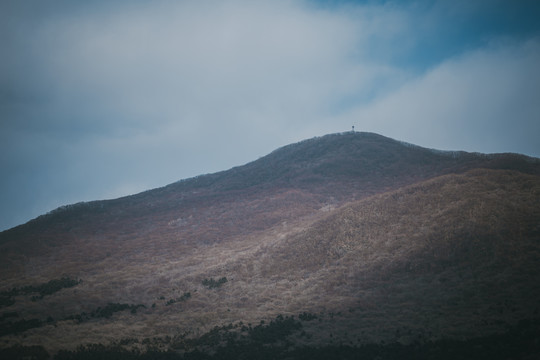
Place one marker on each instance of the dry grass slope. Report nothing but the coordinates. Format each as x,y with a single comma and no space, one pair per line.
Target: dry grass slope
453,256
338,231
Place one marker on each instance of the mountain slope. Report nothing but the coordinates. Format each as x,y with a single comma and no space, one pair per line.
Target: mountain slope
462,248
383,241
297,179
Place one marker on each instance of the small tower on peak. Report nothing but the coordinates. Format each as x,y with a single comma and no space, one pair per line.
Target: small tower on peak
353,128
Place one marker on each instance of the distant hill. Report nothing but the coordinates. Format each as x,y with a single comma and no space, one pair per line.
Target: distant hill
365,240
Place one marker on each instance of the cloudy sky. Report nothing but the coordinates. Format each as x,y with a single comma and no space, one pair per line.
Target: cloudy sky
100,99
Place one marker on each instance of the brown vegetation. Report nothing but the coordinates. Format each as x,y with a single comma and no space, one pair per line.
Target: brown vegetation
382,241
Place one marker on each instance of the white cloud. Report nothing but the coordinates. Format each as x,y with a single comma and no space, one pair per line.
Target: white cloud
485,100
191,76
183,61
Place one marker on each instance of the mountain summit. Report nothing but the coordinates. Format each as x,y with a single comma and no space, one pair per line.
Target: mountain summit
366,240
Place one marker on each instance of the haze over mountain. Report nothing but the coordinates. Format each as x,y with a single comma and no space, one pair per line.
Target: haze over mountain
371,240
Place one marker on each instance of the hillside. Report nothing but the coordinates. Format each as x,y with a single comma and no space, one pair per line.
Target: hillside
374,241
463,248
291,182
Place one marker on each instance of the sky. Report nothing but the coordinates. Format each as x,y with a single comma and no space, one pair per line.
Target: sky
102,99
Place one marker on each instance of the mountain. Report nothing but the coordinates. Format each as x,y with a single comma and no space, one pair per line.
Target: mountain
351,242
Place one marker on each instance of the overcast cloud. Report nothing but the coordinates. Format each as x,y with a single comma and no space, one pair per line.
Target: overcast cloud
104,99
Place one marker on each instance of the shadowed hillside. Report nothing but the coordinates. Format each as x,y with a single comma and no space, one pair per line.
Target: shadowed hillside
291,182
370,240
462,248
